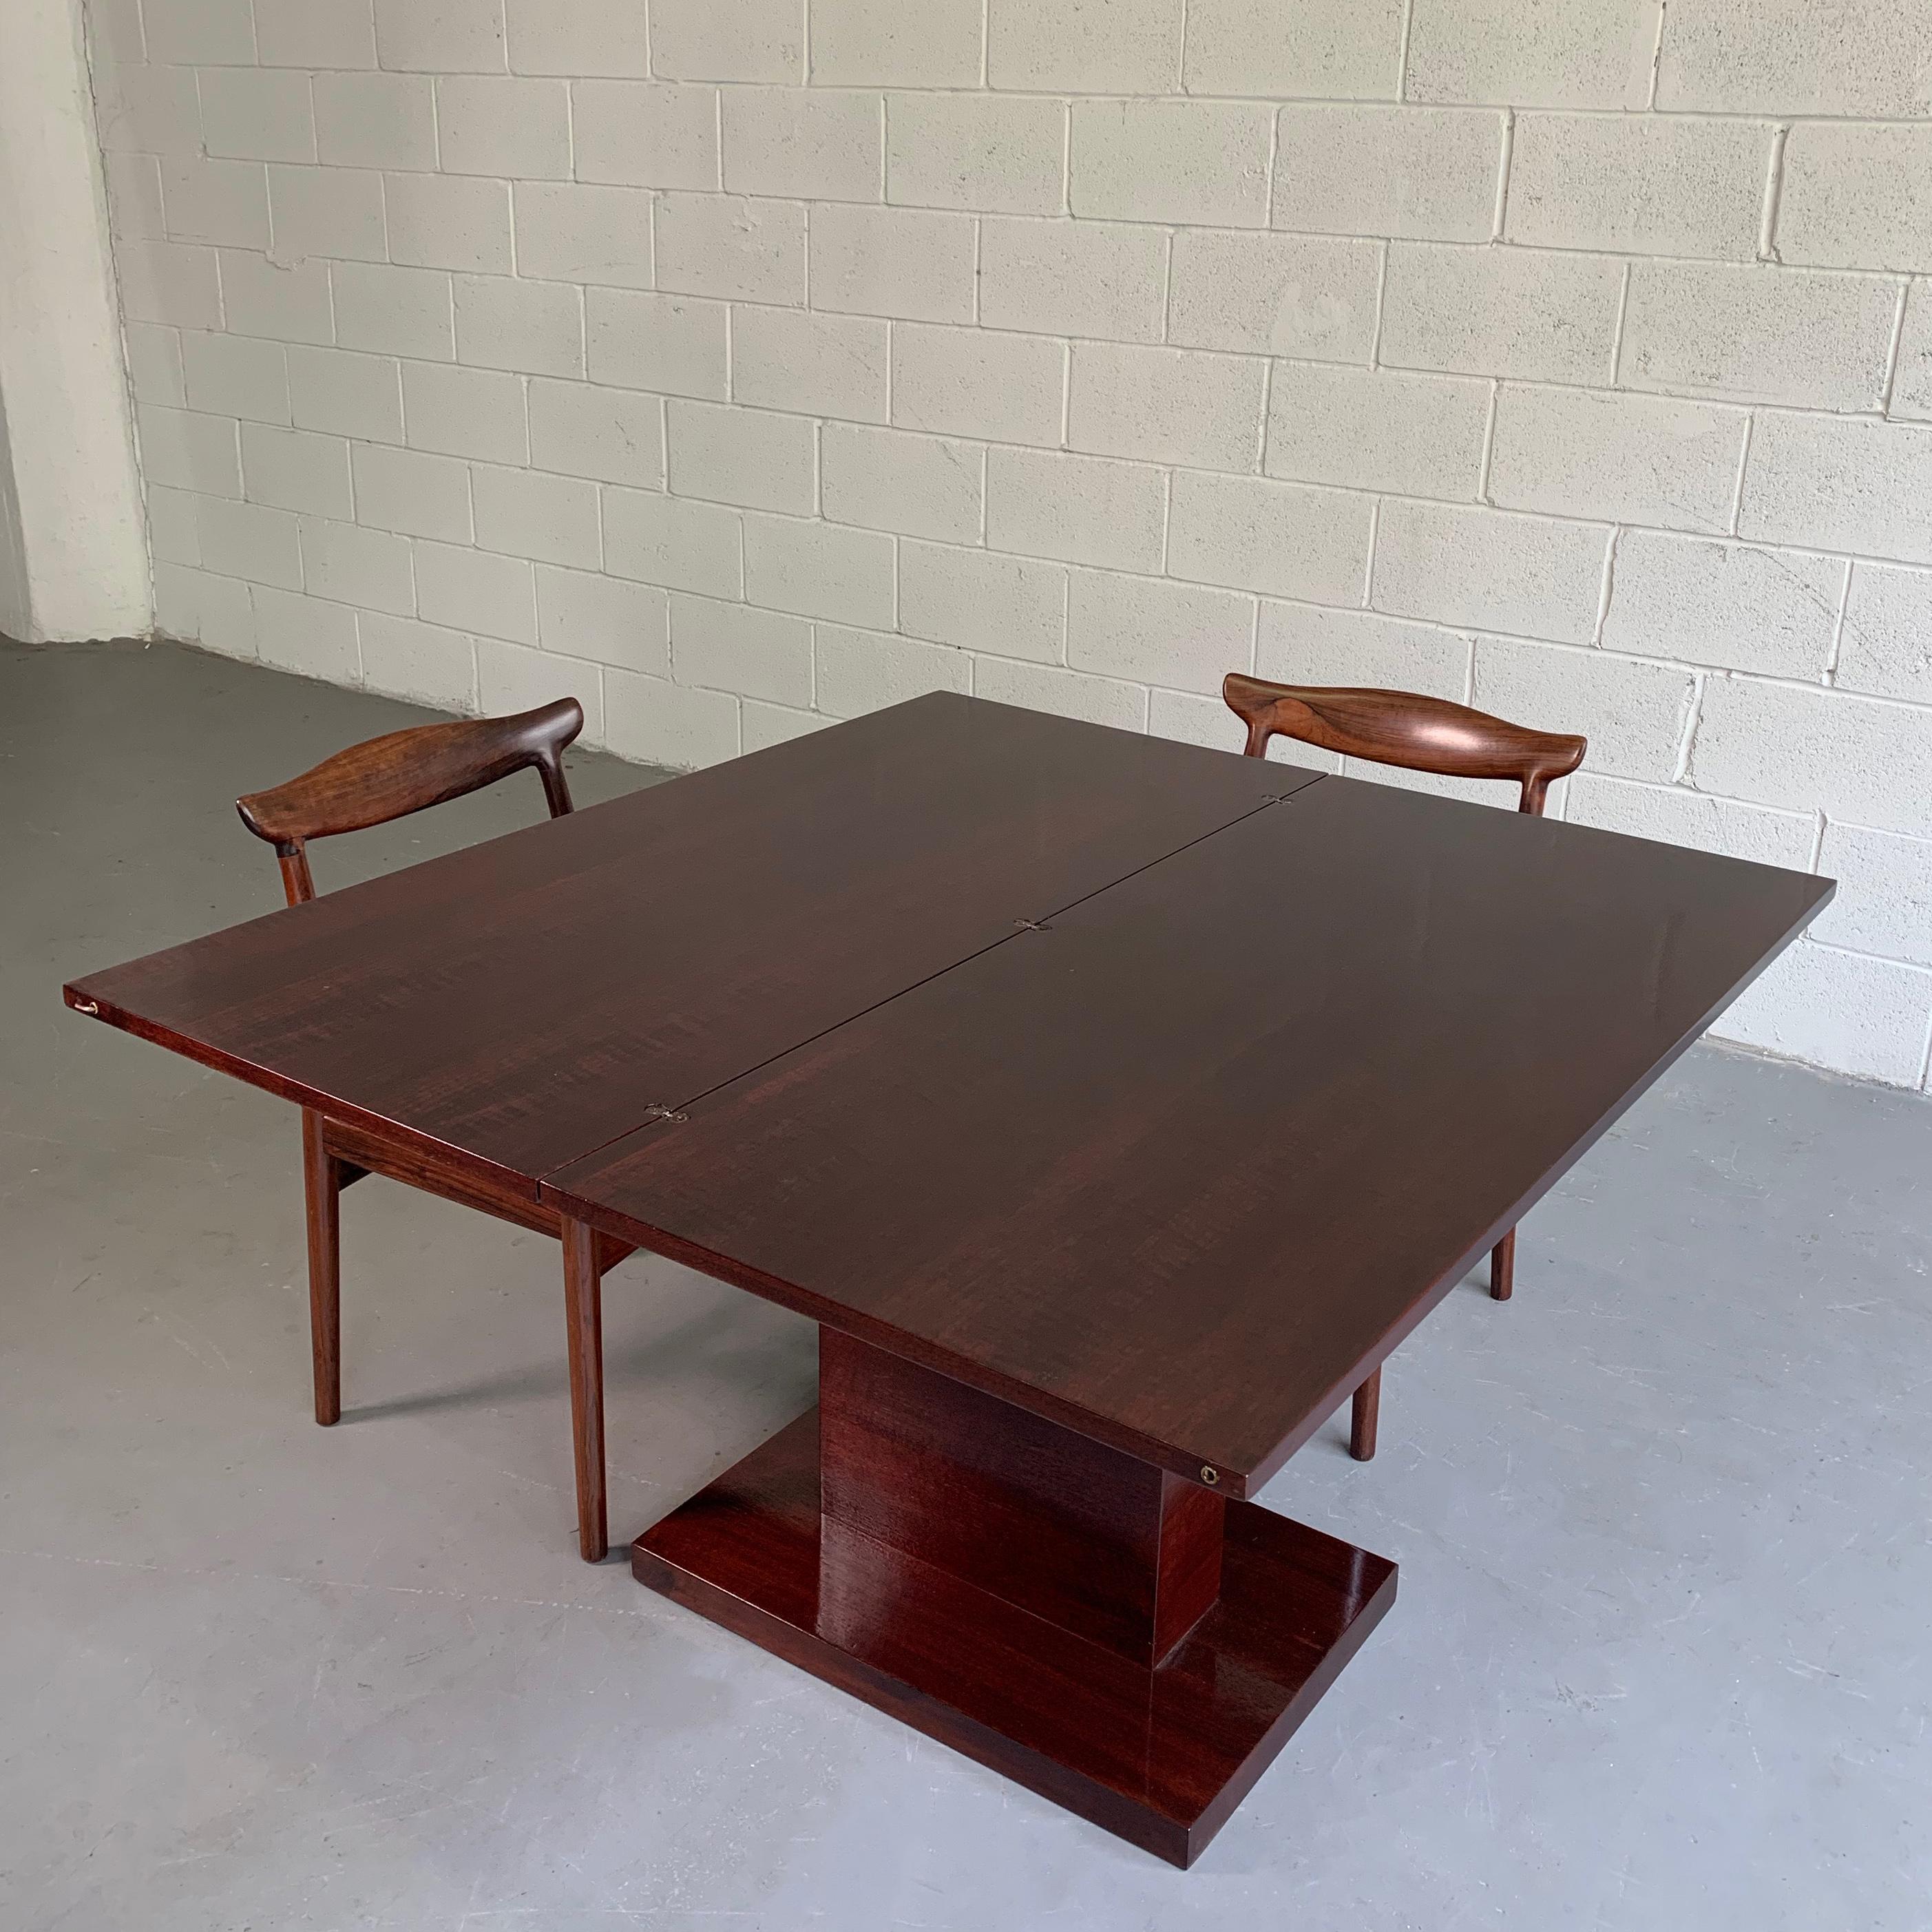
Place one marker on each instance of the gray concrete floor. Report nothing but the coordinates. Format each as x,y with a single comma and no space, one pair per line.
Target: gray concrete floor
1660,1658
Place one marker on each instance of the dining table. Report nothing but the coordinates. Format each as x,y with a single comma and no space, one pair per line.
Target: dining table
1114,1105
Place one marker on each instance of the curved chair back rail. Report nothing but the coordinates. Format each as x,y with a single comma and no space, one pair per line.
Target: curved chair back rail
1402,727
409,771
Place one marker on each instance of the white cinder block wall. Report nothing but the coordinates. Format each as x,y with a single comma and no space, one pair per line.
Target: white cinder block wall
746,364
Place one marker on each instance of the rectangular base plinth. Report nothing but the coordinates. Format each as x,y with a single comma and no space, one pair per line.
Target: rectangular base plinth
1159,1757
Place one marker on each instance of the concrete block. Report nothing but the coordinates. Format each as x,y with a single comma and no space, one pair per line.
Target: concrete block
1530,313
1274,295
1854,197
579,429
148,110
307,635
331,211
207,33
578,37
675,344
817,570
1278,537
728,40
733,647
296,469
370,569
1858,759
1431,174
1886,649
1868,1018
1639,184
726,454
1460,566
1150,632
1584,53
1197,161
1192,719
646,136
824,365
567,232
1764,333
459,411
896,43
440,36
858,671
169,282
1073,278
1636,459
1082,509
471,590
215,612
1837,483
668,541
507,323
420,661
248,115
1634,714
1299,644
1167,405
979,600
893,261
391,311
808,143
332,33
1085,46
657,722
405,491
1884,903
487,125
1068,694
1730,605
885,479
986,153
764,725
1672,815
586,615
374,121
710,244
114,33
1857,57
223,202
514,677
1332,49
449,221
174,527
556,520
134,210
246,541
235,375
1375,429
977,381
189,452
154,364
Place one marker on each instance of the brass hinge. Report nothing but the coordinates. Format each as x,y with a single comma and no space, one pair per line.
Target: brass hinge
664,1114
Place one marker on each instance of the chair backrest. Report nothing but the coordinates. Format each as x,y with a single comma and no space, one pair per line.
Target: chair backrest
1402,727
409,771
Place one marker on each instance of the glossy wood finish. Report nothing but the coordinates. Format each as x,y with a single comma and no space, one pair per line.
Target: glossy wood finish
321,1184
1403,728
406,772
583,1319
508,1008
891,1562
1180,1171
1364,1415
1426,734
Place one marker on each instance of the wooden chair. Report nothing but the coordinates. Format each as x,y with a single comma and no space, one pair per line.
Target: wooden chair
370,784
1422,734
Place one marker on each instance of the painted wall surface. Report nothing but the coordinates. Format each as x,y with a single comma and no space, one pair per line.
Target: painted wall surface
74,492
739,368
14,616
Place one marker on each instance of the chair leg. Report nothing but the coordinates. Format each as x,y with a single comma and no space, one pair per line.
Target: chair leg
321,1182
1502,1267
1363,1417
583,1300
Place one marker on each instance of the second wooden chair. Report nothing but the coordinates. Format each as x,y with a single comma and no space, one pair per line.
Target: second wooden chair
1420,734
